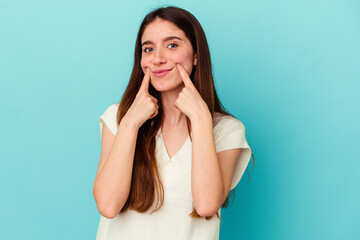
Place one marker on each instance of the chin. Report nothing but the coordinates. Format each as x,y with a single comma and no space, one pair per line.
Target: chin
164,87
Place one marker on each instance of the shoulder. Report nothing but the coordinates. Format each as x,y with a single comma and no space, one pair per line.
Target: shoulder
112,109
229,132
224,122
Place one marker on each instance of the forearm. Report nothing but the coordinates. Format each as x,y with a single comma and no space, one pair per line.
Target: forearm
207,183
112,184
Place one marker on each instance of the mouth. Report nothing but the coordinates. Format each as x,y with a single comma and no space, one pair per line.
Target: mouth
162,73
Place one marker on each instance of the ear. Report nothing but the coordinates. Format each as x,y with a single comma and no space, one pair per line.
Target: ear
195,60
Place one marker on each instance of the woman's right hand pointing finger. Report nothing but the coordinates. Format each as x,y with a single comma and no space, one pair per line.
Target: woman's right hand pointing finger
144,87
144,106
145,82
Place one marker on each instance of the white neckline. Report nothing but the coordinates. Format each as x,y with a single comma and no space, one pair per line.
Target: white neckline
165,150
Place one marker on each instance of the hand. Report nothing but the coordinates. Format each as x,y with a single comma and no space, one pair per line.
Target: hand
189,100
144,106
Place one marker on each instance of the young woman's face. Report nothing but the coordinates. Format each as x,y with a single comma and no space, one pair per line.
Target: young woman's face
163,46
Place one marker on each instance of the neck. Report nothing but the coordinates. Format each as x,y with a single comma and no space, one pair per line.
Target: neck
173,117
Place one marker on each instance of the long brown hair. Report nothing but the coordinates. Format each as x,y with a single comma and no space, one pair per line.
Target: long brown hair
146,180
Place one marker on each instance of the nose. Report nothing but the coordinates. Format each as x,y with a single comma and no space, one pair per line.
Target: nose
159,57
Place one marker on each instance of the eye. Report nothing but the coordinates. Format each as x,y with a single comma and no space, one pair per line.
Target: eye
173,44
146,49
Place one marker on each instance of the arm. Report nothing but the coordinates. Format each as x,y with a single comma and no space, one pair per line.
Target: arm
211,172
113,178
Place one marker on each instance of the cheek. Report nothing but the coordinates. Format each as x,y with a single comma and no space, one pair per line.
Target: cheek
185,59
145,62
178,57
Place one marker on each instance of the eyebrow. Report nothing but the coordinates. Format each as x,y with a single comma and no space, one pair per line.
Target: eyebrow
164,40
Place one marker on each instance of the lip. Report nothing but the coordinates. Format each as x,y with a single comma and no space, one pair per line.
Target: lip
161,72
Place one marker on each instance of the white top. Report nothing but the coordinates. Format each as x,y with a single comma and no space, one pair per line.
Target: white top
172,220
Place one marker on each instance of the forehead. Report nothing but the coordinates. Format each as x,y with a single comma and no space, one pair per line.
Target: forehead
159,29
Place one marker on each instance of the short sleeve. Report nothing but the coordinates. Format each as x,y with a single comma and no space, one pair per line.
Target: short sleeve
229,133
109,118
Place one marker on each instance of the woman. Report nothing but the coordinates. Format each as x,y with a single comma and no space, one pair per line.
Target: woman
170,153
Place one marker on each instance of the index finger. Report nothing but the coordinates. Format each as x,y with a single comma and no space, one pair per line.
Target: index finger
145,82
184,75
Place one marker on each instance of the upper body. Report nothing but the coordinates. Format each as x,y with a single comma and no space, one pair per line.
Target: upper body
196,174
172,221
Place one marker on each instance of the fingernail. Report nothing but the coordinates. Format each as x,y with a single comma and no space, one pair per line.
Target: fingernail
178,64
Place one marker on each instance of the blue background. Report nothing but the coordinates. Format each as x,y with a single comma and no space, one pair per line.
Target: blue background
289,70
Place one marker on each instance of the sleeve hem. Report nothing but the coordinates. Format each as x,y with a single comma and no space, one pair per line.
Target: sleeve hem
109,118
240,167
